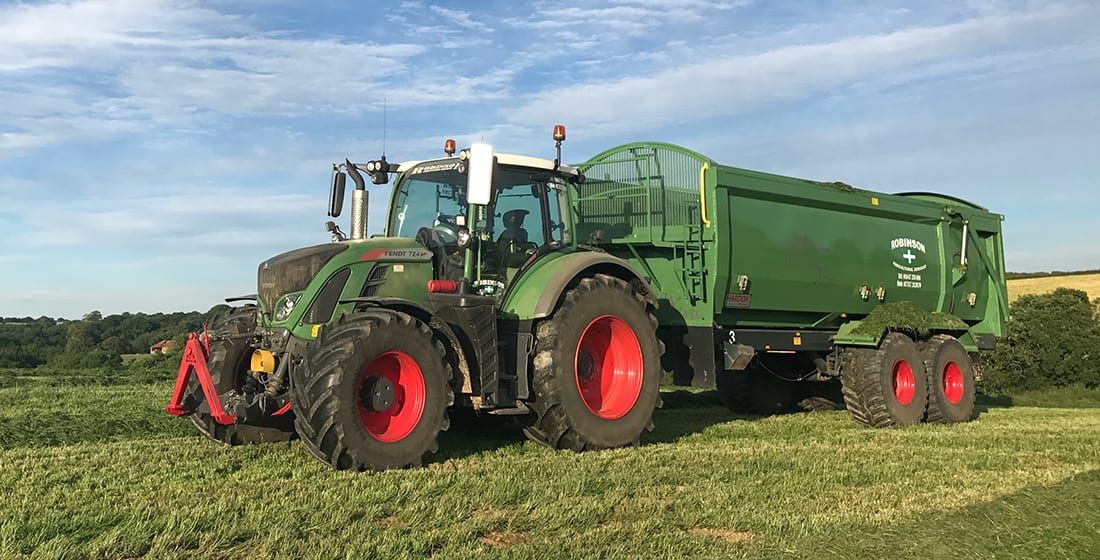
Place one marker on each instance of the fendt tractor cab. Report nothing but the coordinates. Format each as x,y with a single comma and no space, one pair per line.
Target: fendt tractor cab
478,295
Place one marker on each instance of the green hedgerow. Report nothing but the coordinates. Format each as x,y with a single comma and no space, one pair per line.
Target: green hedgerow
1053,341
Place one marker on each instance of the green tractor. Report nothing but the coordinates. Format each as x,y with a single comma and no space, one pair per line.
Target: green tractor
513,285
478,295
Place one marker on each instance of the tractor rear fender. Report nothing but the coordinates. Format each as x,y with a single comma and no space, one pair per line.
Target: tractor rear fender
536,293
455,353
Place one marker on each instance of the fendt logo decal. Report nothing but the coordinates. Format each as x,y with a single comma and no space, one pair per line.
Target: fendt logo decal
909,258
397,255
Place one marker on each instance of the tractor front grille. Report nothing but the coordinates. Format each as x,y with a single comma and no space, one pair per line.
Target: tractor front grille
292,271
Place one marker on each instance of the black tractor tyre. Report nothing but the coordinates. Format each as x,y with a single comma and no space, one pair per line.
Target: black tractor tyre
756,392
228,364
564,416
332,392
820,396
676,360
735,391
885,386
952,382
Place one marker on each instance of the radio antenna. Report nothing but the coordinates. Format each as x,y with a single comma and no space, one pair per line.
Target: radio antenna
383,128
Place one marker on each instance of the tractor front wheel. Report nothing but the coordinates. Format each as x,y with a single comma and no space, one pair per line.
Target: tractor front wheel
228,364
372,392
597,369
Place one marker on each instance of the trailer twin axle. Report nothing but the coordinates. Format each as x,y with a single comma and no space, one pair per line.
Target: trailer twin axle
563,294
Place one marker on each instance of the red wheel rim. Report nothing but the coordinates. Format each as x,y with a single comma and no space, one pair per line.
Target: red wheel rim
609,367
905,385
953,383
397,421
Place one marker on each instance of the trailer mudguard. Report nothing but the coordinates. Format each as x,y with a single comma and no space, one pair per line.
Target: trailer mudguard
535,293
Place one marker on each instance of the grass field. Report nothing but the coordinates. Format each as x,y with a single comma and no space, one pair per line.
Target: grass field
103,472
1089,283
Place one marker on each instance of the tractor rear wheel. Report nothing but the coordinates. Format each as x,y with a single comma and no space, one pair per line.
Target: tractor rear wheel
597,368
885,386
228,364
951,380
372,392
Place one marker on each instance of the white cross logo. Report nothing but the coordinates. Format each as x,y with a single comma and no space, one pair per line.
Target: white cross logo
909,256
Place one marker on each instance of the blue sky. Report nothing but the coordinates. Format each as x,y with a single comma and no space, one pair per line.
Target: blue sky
153,153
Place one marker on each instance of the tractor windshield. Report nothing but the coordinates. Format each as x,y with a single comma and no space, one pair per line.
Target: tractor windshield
432,200
525,214
526,204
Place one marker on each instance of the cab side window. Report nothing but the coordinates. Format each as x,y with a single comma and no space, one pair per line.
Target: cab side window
518,215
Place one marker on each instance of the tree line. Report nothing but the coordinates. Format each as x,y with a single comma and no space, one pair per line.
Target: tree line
1053,340
95,340
1047,274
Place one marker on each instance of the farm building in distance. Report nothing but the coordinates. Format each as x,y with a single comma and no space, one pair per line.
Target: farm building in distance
162,347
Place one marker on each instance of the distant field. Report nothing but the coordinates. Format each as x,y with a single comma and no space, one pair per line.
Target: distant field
1090,283
104,472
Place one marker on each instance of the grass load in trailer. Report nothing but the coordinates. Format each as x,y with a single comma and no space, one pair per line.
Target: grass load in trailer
515,285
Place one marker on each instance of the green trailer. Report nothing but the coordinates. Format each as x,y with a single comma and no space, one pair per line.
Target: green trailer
785,273
562,295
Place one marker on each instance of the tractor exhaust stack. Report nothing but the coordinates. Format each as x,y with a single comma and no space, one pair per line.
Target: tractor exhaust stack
359,204
359,201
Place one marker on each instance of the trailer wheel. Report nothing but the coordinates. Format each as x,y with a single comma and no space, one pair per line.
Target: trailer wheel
885,386
951,380
372,392
228,365
820,396
756,392
597,370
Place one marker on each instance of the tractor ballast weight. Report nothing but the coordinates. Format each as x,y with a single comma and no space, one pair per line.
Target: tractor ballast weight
522,286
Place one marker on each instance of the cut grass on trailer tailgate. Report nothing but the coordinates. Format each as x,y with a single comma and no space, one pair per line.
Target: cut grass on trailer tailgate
104,473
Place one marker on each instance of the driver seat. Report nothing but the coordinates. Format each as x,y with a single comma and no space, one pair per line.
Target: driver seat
433,241
512,245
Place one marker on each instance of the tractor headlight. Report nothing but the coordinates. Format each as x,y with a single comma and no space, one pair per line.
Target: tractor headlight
287,307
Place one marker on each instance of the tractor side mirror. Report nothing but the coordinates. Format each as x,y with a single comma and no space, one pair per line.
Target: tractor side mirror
336,196
479,186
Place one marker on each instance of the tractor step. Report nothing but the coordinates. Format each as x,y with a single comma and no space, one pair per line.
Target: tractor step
519,409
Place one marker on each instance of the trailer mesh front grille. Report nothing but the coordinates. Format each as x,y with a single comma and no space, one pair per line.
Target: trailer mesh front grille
639,193
292,271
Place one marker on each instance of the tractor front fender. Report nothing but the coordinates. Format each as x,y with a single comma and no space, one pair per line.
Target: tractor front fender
447,335
536,293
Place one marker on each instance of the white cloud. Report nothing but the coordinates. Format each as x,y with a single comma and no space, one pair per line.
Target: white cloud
726,85
148,63
90,31
621,16
461,18
217,217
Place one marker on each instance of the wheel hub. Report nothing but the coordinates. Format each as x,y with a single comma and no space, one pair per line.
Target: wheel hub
905,387
953,384
392,396
378,394
586,366
609,367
